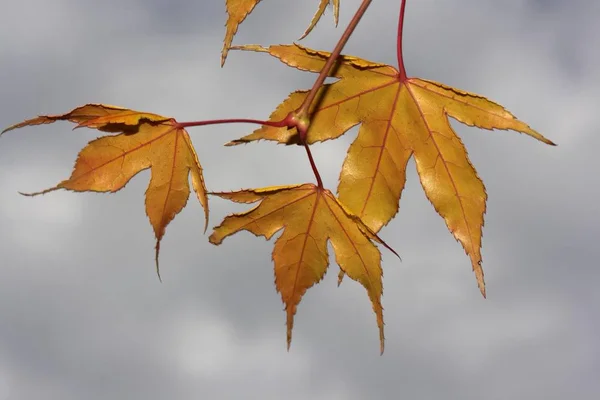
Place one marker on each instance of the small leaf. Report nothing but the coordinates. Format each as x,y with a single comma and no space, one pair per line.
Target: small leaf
144,141
310,217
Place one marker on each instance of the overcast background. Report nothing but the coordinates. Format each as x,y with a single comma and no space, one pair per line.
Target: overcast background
83,315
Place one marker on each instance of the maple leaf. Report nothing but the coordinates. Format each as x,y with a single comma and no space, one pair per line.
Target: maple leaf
145,141
400,117
238,10
310,217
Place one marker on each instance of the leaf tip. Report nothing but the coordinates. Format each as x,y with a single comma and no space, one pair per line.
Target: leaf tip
213,239
288,338
10,128
387,246
38,193
157,250
480,279
250,47
206,215
381,339
340,277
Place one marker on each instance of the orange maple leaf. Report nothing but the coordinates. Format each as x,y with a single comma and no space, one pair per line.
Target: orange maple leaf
310,217
238,10
145,141
399,117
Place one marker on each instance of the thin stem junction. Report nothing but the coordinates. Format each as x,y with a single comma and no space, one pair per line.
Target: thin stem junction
301,115
300,118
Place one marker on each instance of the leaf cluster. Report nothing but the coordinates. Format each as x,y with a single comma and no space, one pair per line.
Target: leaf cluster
399,118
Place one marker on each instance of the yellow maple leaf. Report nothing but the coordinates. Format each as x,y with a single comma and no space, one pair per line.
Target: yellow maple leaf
145,141
238,10
399,118
310,217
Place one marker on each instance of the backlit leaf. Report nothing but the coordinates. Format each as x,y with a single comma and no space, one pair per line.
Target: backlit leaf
144,141
310,217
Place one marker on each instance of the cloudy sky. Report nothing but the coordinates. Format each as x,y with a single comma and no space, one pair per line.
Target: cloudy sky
83,315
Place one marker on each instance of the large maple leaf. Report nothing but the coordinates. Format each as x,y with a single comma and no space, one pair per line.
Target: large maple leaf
399,118
238,10
145,141
310,217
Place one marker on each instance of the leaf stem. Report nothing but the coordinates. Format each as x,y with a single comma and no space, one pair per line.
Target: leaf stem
300,118
401,69
313,165
276,124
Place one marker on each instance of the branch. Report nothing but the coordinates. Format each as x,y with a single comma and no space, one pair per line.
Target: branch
302,111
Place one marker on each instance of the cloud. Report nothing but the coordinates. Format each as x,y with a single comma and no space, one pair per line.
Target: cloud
84,316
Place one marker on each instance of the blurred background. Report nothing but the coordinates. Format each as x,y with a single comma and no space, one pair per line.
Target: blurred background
83,315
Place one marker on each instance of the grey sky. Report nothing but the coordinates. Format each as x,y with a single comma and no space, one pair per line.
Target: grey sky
82,314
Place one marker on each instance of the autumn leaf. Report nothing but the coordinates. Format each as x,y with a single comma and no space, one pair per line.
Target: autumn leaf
144,141
238,10
310,217
399,118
